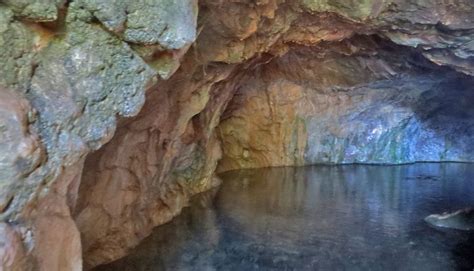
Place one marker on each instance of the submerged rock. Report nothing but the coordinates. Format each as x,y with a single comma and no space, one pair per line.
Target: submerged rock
459,220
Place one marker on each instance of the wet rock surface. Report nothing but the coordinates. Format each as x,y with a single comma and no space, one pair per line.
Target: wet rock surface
71,68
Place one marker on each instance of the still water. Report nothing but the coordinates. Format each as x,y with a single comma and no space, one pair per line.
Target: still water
354,217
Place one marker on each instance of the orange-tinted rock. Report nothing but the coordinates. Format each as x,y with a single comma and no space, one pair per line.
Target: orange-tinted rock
19,141
57,243
12,252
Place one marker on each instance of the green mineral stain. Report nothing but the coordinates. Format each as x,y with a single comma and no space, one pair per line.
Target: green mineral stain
354,9
16,51
39,11
298,145
235,55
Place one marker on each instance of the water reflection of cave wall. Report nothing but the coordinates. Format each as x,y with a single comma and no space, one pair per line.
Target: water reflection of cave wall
378,196
314,216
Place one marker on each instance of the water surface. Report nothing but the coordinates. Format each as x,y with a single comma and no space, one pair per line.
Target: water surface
355,217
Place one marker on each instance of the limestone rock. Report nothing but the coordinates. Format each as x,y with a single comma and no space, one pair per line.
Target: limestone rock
12,252
299,111
38,11
458,220
71,81
16,51
154,163
19,141
172,24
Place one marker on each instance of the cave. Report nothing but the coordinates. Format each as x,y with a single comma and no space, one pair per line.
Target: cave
236,135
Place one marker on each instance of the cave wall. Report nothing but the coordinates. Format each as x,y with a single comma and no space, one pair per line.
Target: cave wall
70,68
364,100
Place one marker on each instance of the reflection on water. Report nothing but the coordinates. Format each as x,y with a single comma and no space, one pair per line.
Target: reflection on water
354,217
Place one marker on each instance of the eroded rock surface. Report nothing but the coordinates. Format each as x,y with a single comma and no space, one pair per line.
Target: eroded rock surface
39,11
171,24
364,106
12,251
325,77
68,81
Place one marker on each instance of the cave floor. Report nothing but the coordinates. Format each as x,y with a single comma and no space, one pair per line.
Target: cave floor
353,217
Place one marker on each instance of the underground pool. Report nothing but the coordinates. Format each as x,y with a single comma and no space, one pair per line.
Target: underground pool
349,217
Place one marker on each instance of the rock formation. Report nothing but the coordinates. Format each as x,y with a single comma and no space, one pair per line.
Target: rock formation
459,220
312,106
113,113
